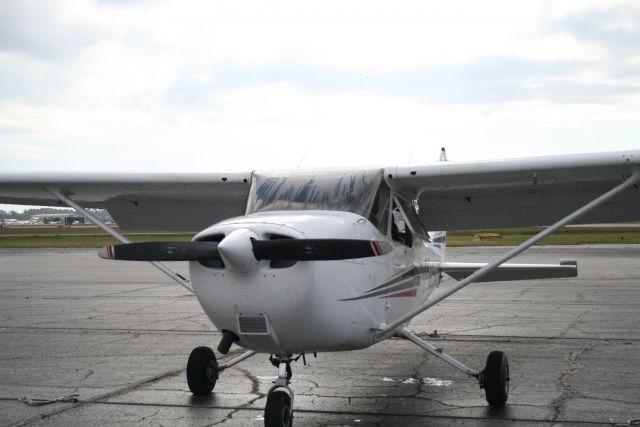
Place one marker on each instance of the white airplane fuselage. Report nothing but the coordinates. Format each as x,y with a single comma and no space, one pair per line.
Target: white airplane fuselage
307,306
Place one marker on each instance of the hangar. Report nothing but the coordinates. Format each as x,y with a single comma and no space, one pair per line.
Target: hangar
61,218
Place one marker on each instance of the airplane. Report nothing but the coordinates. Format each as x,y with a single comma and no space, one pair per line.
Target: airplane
294,262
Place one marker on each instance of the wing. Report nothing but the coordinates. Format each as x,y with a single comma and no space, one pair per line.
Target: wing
514,193
504,193
138,200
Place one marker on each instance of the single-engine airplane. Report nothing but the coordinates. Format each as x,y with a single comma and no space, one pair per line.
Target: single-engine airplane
305,261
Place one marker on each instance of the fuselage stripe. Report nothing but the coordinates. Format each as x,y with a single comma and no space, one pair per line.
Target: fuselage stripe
376,248
409,293
399,278
412,282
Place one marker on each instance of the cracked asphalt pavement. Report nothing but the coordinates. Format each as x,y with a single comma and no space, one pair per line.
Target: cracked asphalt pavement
118,335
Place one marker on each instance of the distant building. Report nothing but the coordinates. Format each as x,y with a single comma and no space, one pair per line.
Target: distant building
62,218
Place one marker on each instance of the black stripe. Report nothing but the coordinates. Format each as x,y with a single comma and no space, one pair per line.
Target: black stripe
399,278
411,282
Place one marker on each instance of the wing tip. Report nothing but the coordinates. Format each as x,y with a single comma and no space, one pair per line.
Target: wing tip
106,252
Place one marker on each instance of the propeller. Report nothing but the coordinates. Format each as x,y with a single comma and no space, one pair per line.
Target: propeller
161,251
316,249
279,250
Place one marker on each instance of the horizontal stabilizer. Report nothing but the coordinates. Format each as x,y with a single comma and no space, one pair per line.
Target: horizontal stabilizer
461,270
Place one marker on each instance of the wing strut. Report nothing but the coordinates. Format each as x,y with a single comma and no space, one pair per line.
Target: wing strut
388,330
404,332
160,266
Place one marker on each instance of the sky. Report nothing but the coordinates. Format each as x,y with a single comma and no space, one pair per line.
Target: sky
213,86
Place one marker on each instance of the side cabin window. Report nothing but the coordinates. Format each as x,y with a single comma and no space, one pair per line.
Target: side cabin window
400,231
379,215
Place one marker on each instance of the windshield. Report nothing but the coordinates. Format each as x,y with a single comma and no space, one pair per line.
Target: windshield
338,190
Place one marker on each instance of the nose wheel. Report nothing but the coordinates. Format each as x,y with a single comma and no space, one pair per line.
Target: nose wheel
278,412
279,409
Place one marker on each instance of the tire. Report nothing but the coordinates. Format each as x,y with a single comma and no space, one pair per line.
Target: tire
202,371
278,412
496,378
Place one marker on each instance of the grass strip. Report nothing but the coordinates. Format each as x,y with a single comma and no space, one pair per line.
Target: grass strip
84,237
569,236
83,241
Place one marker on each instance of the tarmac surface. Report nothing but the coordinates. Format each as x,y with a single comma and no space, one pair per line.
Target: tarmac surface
118,335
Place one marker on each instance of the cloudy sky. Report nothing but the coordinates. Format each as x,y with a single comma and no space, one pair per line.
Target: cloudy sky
167,85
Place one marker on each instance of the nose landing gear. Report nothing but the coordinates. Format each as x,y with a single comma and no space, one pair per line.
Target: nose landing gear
279,409
203,371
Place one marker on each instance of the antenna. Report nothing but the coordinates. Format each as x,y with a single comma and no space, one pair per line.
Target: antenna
411,153
302,160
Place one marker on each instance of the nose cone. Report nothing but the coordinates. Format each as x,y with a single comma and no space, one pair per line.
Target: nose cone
237,252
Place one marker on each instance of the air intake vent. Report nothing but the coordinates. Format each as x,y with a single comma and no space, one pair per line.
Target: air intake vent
252,325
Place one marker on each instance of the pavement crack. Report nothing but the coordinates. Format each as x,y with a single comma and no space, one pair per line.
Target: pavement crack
255,389
416,376
255,382
577,321
562,382
157,411
89,373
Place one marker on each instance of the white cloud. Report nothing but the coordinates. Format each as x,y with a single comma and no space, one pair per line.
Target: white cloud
151,86
15,152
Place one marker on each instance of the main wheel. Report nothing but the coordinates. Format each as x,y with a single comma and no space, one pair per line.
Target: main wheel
278,411
202,371
496,378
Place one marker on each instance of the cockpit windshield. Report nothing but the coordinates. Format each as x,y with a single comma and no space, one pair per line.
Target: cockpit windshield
339,190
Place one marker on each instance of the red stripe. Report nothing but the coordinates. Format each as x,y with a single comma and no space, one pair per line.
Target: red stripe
409,293
110,251
376,248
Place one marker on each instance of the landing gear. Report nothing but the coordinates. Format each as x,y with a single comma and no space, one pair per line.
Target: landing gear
495,378
279,409
202,371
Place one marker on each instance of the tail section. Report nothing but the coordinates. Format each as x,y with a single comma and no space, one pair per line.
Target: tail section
443,155
439,242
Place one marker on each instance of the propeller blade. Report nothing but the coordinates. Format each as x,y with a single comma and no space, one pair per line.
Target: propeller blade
317,249
162,251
